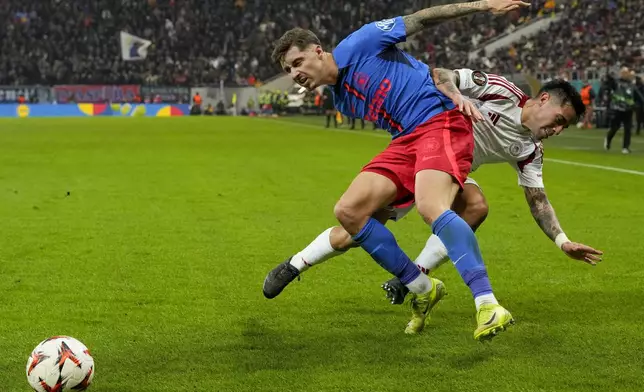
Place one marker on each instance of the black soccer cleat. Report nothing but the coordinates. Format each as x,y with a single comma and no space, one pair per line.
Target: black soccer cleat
396,291
279,278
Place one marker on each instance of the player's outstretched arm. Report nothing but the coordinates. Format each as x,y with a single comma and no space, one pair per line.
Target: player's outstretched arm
434,15
542,211
544,214
447,82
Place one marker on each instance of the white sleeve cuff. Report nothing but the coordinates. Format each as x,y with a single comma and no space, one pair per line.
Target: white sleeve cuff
561,239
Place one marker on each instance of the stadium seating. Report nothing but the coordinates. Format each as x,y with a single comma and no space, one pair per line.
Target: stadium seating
205,42
591,34
201,41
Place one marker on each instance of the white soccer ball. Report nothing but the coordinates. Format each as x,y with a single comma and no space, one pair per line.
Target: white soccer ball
60,363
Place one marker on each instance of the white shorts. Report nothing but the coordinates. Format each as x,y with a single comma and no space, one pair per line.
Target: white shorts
396,214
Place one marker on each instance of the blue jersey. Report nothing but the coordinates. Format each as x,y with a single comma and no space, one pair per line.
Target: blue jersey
379,82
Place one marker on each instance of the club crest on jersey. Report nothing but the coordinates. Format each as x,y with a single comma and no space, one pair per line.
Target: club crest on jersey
361,80
386,24
515,149
479,78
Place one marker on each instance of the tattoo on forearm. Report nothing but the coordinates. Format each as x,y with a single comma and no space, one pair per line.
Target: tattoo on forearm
444,80
436,15
542,211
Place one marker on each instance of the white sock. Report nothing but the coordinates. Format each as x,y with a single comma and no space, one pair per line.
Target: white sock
420,285
485,299
432,256
316,252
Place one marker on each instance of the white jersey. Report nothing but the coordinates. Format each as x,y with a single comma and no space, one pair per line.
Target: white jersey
501,137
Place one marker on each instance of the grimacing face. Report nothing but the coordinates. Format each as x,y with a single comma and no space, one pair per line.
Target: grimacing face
551,117
304,66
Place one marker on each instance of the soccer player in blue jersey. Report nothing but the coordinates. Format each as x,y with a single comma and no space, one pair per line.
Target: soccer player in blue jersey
428,159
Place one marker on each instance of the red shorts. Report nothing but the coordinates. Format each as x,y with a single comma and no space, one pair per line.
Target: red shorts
444,143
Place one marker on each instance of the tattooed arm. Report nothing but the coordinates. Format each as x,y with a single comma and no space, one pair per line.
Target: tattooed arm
434,15
542,211
544,214
447,82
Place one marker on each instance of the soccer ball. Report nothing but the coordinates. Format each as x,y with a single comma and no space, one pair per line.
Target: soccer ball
60,363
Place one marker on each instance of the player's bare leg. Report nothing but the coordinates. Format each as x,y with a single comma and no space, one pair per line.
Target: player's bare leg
435,192
354,211
368,193
472,206
334,241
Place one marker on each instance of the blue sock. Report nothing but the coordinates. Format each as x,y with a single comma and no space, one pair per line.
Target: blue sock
380,243
463,250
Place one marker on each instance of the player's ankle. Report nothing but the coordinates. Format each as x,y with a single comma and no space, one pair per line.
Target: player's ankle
485,299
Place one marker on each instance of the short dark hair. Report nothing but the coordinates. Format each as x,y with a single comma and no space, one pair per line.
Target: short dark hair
566,93
297,37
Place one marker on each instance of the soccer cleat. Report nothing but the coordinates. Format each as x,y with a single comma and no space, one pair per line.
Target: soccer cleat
396,291
491,319
422,304
279,278
606,144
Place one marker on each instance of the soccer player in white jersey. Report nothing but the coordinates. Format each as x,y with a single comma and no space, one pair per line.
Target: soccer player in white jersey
509,128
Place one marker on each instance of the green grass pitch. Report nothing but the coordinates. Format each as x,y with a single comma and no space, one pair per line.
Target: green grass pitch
148,239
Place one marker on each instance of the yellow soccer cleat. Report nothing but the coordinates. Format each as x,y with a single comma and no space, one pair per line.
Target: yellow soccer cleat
422,304
491,319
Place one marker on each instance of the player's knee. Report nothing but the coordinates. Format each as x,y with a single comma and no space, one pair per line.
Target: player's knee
349,216
431,211
476,211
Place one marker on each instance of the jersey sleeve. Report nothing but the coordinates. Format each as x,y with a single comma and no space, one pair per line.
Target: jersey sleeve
370,40
530,170
488,87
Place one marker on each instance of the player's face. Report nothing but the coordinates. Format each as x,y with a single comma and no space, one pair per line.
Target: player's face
304,66
551,118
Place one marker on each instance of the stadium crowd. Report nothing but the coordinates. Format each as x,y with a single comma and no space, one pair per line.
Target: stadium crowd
202,41
589,34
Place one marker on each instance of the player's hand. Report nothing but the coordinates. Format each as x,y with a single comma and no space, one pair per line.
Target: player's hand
582,252
504,6
466,107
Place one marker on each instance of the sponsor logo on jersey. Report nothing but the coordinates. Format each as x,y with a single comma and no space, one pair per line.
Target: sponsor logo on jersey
378,100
